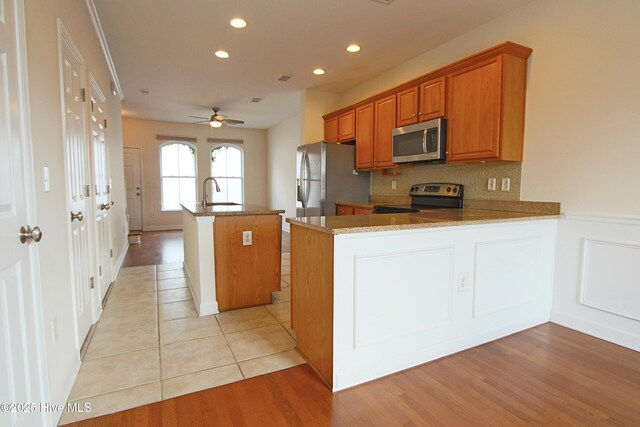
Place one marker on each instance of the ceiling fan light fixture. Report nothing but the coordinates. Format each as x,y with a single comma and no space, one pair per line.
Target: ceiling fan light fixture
318,71
222,54
215,123
238,23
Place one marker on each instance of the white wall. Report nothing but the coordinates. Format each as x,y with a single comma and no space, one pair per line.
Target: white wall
581,139
283,139
142,133
315,104
51,208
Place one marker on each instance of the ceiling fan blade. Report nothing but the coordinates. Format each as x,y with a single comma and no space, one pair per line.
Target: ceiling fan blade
201,121
198,117
233,121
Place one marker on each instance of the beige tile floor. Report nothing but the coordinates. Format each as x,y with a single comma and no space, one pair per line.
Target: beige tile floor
150,344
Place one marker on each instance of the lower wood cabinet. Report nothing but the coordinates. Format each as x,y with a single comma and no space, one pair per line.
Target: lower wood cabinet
362,211
353,210
344,210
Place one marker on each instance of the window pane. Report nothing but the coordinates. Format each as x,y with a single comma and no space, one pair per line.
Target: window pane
187,160
234,162
234,190
222,195
170,194
169,156
188,191
219,161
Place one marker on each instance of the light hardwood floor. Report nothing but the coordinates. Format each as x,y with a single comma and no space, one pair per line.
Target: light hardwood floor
548,375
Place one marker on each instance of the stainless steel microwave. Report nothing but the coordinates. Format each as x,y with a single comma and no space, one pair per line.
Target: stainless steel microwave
421,142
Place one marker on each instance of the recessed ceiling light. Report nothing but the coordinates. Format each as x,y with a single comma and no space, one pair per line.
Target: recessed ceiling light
222,54
318,71
238,23
353,48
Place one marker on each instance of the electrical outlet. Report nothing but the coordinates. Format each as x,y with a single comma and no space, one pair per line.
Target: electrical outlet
247,238
491,184
463,283
506,184
394,184
54,330
153,214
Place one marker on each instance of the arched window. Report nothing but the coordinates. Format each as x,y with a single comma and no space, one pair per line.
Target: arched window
228,169
177,175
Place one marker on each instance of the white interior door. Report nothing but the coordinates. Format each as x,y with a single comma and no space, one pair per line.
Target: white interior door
134,186
21,341
101,186
77,176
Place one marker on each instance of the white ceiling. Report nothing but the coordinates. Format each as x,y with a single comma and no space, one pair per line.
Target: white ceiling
166,47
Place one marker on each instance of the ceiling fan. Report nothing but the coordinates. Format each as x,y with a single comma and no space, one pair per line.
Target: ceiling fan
217,120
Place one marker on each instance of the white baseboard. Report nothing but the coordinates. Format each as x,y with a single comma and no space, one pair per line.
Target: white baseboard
162,227
120,260
597,330
203,309
70,379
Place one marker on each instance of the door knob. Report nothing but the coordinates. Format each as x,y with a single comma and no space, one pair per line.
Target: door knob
77,216
27,233
113,203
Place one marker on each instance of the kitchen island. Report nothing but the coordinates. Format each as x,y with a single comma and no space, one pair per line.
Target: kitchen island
231,255
376,294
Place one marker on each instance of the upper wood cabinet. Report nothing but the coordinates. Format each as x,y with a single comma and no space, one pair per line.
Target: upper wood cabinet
340,128
331,129
485,111
385,121
407,107
347,126
432,99
364,136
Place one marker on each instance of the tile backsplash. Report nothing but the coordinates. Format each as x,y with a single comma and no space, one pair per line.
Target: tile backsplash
474,177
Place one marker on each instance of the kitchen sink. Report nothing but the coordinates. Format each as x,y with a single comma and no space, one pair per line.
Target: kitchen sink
222,204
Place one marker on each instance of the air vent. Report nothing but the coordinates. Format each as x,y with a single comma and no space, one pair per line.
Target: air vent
255,100
284,77
387,2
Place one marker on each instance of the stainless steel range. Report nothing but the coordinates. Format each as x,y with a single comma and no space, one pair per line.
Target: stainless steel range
428,196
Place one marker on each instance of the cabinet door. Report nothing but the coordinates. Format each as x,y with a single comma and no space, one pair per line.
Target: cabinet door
347,126
385,121
364,137
331,129
474,112
344,210
408,107
432,99
362,211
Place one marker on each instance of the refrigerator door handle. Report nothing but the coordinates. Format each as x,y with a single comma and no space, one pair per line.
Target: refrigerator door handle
298,191
307,176
302,179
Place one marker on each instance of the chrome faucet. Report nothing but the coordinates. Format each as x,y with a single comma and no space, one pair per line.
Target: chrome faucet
204,190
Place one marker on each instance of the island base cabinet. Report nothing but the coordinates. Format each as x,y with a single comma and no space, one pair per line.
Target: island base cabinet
366,305
312,298
246,275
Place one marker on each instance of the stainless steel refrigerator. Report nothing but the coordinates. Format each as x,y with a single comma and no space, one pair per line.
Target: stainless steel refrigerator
325,174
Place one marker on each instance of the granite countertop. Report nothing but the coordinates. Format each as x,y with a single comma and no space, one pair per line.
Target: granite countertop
349,224
229,210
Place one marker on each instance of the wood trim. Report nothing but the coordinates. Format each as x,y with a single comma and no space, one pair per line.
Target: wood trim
312,297
225,141
508,48
176,138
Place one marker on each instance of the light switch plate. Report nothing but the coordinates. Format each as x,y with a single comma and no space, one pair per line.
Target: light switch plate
491,184
506,184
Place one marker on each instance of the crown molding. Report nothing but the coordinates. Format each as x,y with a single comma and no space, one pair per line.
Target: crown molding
93,12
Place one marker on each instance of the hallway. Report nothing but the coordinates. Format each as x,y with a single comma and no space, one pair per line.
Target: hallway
150,345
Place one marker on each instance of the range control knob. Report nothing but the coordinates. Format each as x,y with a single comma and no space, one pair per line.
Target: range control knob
448,189
455,190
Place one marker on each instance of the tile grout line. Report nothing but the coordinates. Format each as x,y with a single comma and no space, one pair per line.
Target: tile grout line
159,332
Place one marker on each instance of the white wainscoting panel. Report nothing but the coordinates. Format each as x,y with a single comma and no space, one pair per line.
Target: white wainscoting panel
388,281
597,277
607,267
505,274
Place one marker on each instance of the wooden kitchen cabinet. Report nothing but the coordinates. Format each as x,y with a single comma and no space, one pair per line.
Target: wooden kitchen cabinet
432,99
485,111
340,128
362,211
408,107
331,129
344,210
385,121
365,136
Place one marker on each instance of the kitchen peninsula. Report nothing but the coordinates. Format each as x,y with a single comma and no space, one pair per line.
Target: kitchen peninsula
376,294
231,255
